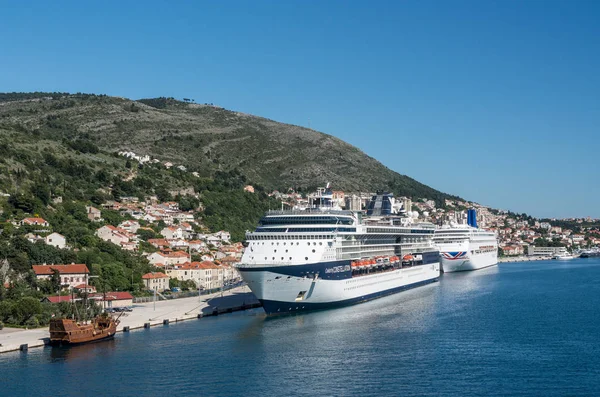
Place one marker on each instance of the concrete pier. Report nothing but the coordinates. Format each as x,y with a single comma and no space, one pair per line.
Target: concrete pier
523,258
153,314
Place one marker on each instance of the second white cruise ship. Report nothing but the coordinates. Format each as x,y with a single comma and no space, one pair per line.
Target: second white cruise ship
320,257
465,247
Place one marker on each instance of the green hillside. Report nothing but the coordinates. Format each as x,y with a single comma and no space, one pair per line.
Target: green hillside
204,138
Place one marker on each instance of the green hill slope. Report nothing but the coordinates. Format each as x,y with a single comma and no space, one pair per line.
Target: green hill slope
204,138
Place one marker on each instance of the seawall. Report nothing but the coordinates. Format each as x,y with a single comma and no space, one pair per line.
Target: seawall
147,315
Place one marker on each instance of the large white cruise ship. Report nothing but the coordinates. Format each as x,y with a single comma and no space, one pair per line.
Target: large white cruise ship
465,247
321,257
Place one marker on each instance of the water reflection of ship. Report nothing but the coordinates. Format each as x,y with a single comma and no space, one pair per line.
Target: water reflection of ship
82,352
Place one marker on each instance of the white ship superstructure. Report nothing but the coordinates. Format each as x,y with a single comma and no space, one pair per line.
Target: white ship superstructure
466,247
563,254
321,257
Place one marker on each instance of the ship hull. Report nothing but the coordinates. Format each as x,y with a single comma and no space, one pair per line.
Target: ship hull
88,341
281,293
70,332
468,262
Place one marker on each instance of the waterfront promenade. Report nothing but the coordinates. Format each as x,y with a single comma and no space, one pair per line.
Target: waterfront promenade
523,258
152,313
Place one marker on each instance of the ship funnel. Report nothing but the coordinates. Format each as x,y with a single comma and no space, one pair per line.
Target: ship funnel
472,217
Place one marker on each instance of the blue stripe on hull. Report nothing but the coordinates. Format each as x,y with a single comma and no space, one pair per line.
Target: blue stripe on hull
278,307
333,270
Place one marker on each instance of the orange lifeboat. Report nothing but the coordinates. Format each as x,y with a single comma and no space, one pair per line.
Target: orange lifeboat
394,259
407,258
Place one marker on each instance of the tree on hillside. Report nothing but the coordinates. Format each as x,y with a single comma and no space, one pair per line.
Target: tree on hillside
145,234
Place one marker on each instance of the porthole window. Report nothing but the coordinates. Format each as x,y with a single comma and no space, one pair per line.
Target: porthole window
282,258
286,251
315,243
313,251
290,258
283,243
306,258
308,243
273,258
320,243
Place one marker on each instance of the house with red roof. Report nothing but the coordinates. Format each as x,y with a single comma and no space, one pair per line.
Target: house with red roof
172,232
118,236
35,222
130,226
169,258
205,274
70,275
90,289
197,245
156,281
113,299
94,214
58,299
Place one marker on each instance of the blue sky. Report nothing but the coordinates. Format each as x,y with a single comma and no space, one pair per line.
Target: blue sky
495,101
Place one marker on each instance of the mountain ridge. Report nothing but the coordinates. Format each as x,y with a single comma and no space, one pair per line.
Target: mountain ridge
207,139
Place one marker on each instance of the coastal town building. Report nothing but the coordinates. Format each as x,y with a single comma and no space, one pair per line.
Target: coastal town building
113,299
156,281
532,250
172,232
129,226
118,236
169,258
206,274
35,222
84,288
56,240
94,214
513,250
70,275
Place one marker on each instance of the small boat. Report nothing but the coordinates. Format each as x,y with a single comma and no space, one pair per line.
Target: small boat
65,331
564,256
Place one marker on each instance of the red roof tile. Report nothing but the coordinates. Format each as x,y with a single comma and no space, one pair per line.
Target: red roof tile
41,270
113,296
58,299
154,275
34,220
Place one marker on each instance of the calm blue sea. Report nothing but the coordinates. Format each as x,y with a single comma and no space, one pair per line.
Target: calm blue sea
530,329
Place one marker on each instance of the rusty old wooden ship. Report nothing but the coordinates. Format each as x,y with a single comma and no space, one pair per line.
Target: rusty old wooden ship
70,332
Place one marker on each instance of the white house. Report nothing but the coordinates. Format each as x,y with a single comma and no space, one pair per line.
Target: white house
172,232
197,245
57,240
114,235
130,226
35,222
156,281
94,214
223,235
169,258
